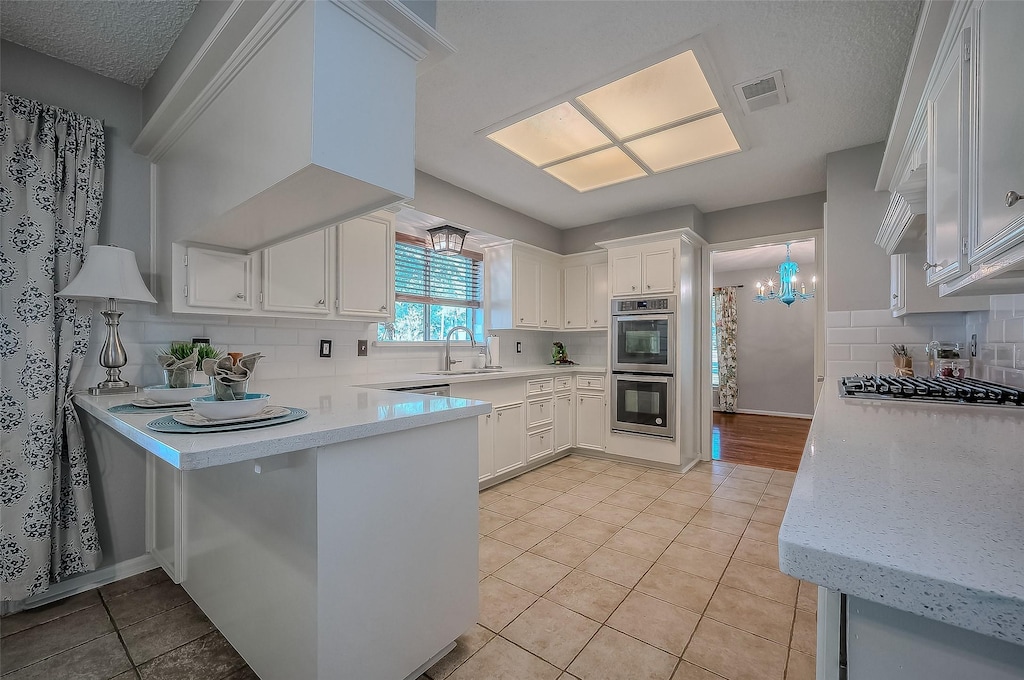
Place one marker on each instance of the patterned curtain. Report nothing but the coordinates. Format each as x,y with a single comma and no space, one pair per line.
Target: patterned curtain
725,329
51,196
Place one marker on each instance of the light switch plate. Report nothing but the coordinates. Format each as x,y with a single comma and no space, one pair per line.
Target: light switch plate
361,346
325,348
519,347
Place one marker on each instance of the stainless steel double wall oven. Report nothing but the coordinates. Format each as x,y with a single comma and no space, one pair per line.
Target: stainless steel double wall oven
643,365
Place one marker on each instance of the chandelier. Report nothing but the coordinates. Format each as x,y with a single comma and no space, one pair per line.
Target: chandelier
786,293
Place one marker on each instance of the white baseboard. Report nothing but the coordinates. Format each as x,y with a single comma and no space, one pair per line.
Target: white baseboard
779,414
92,580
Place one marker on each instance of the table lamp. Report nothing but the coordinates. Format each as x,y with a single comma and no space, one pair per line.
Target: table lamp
111,274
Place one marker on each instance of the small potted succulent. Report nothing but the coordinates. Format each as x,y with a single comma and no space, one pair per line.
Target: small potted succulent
179,361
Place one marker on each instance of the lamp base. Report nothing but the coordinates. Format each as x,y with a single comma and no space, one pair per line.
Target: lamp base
101,390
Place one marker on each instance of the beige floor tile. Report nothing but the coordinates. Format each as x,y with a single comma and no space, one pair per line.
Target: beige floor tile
533,572
611,655
756,474
499,659
537,494
768,515
592,491
770,583
577,505
752,613
784,478
778,490
739,495
592,465
501,602
658,478
587,594
744,484
673,511
590,530
703,563
718,521
624,499
759,531
489,496
774,502
735,654
655,622
701,485
625,470
574,459
717,466
489,521
725,506
512,506
638,544
708,539
510,486
610,481
521,534
683,497
677,587
576,474
807,597
687,671
557,483
495,554
616,567
800,667
644,489
552,632
613,514
566,676
565,549
656,525
805,633
548,517
466,645
757,552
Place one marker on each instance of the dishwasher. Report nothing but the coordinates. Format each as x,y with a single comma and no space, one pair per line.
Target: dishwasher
431,390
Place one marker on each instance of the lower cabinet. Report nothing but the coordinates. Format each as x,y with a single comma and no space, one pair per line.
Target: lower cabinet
564,421
591,416
539,444
485,430
508,438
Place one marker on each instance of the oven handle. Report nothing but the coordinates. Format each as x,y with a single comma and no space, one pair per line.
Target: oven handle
667,379
643,317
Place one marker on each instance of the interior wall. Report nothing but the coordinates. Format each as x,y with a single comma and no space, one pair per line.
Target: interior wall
784,216
774,346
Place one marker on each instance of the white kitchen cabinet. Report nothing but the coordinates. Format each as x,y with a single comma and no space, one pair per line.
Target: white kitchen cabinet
597,288
522,288
585,298
564,421
539,444
539,412
576,299
626,265
526,301
218,280
296,275
509,449
366,267
648,268
659,265
550,292
591,420
910,294
485,435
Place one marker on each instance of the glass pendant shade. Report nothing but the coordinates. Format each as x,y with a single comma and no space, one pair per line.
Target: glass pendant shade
447,240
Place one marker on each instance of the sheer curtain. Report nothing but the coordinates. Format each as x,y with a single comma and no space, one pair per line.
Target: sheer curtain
51,197
725,333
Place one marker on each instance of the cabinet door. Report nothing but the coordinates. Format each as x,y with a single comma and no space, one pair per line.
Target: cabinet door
218,280
366,266
947,169
625,265
295,275
550,293
509,444
539,444
897,279
590,421
598,300
575,298
527,291
485,429
564,421
1000,144
659,270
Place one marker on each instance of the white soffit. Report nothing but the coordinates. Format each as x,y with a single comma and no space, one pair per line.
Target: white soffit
765,257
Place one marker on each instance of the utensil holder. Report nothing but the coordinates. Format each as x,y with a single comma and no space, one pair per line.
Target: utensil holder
179,377
904,365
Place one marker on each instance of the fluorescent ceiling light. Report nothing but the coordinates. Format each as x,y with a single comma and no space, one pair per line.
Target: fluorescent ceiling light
596,170
551,135
686,144
668,92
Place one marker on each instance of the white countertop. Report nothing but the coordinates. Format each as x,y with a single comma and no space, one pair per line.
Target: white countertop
919,507
394,380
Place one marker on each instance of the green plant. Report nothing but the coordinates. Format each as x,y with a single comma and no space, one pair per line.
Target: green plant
183,350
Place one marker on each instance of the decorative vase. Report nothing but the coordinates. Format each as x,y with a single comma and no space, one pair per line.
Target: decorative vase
179,377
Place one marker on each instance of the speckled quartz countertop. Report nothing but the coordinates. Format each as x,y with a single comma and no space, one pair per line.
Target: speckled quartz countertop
919,507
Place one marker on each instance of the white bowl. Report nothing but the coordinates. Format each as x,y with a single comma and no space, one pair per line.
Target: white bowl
210,407
163,394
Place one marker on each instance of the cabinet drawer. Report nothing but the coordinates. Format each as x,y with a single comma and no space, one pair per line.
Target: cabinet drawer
538,412
590,382
542,386
539,444
563,382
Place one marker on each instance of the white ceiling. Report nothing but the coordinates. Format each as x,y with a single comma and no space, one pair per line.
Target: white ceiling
122,39
762,257
842,62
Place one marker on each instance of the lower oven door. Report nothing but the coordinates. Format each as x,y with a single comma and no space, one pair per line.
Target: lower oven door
644,404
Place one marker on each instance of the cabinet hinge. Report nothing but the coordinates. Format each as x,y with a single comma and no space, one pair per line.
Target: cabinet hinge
337,304
261,296
967,45
186,260
186,291
963,247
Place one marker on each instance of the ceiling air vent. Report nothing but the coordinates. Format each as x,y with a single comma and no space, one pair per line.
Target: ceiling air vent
761,93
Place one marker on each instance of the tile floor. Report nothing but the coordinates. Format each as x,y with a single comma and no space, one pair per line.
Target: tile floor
588,569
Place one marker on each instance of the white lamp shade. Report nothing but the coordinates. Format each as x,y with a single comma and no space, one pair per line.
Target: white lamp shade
108,272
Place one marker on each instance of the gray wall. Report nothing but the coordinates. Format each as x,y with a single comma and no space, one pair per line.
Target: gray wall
117,469
858,270
583,238
774,346
786,215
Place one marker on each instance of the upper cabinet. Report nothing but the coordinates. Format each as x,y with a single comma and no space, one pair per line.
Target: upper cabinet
644,269
550,294
366,267
523,287
626,266
585,304
217,280
296,275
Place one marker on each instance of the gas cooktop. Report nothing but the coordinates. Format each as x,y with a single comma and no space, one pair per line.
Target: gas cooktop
941,389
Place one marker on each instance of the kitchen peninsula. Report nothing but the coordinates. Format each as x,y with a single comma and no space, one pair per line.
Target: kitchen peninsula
340,545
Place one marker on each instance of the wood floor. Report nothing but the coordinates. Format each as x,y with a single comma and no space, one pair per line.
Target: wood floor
765,441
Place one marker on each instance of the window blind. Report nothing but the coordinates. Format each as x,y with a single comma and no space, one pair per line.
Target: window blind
421,275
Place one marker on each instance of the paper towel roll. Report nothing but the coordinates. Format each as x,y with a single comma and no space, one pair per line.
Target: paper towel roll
493,359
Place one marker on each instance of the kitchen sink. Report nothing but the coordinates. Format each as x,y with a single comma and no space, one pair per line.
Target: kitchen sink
467,371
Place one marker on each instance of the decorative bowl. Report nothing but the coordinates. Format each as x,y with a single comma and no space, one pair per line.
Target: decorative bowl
215,409
162,394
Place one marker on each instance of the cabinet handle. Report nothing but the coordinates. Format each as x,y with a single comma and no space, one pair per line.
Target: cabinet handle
520,319
1011,198
648,286
595,320
321,302
895,296
929,265
383,308
488,416
240,296
633,287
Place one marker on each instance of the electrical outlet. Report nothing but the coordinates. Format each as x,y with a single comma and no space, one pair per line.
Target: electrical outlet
200,341
361,346
325,348
519,347
974,345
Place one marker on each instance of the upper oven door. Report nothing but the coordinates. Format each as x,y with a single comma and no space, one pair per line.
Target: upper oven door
644,343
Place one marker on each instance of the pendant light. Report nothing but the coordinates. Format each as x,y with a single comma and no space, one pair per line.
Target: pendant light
447,240
787,293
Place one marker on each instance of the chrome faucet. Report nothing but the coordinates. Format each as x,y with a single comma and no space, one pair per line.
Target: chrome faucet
448,361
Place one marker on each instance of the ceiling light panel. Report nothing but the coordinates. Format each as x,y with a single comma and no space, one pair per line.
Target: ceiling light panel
596,170
690,143
551,135
667,92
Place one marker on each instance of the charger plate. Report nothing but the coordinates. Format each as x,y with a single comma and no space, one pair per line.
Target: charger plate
135,408
196,420
169,425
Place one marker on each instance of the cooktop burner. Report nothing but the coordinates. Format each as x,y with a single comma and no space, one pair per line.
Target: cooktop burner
943,389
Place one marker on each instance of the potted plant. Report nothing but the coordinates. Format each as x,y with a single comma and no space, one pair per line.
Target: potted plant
179,361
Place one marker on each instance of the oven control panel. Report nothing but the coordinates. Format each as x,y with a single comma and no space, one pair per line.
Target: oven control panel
663,304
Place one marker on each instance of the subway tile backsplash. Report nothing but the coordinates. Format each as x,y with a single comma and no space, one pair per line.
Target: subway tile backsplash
1000,334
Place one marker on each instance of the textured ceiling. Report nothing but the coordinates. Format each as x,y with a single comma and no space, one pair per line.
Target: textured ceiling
842,62
762,257
122,39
